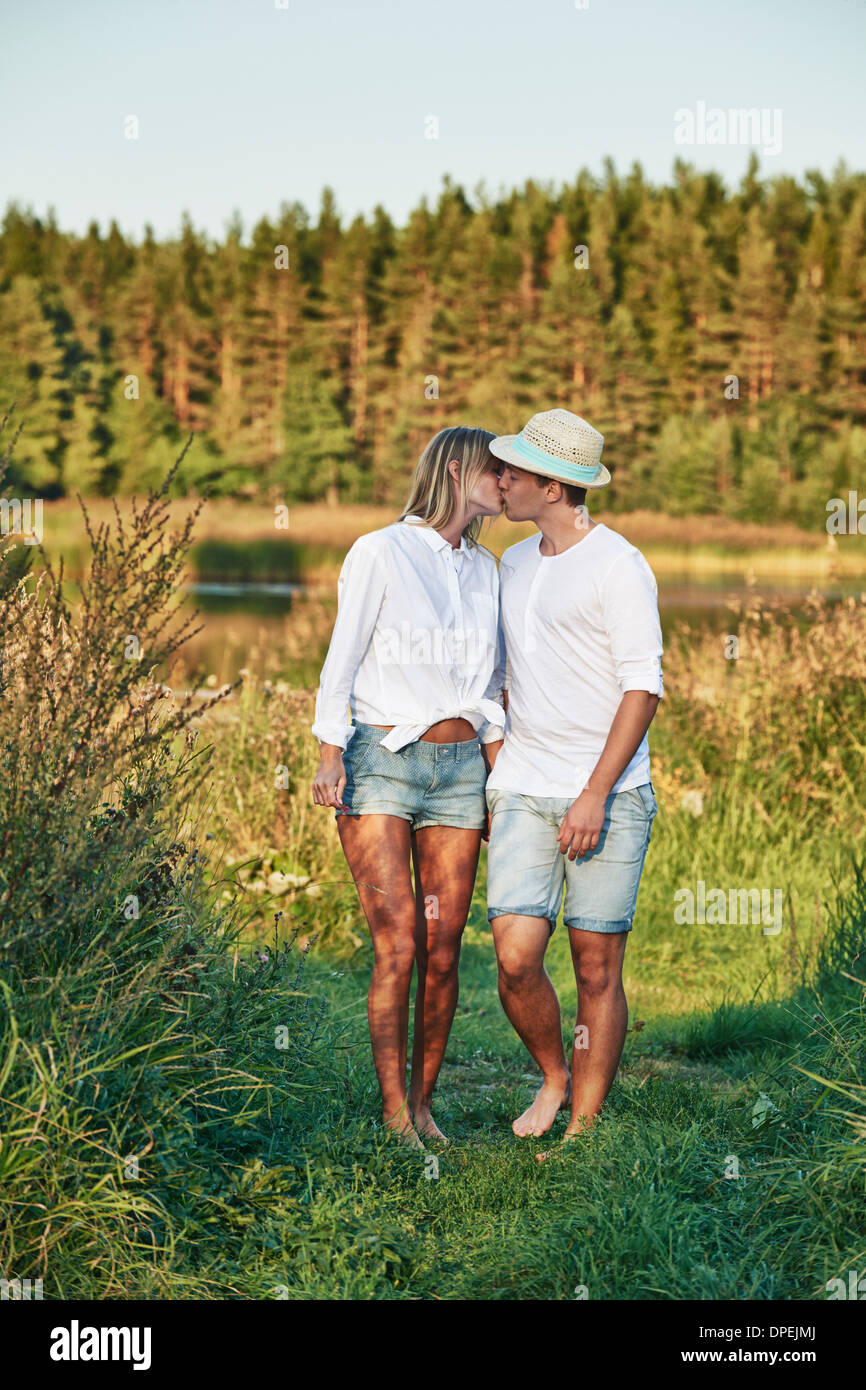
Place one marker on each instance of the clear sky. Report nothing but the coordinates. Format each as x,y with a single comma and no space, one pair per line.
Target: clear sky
243,104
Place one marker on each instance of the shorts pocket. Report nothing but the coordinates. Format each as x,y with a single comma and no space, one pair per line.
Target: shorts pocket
647,796
358,754
475,776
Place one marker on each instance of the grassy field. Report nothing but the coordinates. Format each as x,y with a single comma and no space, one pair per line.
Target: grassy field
641,1209
187,1101
725,1024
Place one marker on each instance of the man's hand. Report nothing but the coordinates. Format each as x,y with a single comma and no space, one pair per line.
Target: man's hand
582,824
584,820
330,780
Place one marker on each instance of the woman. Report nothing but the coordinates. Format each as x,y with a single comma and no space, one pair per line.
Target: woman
415,653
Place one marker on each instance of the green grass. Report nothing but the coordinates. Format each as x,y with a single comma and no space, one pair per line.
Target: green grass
266,1175
639,1209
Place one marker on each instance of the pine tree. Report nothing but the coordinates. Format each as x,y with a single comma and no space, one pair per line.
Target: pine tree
226,420
804,340
31,362
318,442
757,309
847,317
83,460
187,350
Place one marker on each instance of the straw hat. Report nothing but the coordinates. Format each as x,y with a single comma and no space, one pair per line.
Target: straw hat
558,444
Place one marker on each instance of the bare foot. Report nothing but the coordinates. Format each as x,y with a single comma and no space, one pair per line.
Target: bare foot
575,1129
427,1126
537,1120
402,1128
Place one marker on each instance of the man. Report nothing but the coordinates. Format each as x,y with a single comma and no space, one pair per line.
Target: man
570,798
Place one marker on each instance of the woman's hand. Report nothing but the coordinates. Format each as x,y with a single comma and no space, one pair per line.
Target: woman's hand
330,780
491,753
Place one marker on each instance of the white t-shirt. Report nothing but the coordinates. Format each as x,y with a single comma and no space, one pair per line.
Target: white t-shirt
416,638
581,628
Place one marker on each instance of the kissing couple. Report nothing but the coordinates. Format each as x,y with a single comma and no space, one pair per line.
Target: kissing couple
458,703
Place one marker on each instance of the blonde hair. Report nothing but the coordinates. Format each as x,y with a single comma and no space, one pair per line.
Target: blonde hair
431,496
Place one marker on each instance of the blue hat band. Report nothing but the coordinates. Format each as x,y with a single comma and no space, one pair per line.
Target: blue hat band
573,472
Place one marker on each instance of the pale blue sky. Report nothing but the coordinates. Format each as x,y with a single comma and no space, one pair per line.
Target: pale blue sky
244,105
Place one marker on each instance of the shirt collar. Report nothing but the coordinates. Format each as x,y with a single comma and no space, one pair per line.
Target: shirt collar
433,538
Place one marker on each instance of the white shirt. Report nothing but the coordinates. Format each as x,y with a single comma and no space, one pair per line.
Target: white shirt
581,628
416,638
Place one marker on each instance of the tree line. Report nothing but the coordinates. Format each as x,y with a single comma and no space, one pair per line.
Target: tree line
716,337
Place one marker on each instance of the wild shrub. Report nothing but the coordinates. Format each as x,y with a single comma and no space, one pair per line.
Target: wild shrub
145,1053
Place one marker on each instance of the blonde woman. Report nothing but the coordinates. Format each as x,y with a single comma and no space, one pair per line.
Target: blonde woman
415,655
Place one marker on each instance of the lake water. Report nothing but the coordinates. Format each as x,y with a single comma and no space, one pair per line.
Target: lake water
242,618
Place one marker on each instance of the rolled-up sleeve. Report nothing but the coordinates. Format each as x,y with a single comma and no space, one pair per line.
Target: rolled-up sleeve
360,592
629,596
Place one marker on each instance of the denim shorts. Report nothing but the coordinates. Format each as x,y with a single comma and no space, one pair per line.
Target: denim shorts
527,871
425,783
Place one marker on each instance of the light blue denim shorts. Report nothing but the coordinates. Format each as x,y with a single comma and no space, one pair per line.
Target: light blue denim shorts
425,783
527,872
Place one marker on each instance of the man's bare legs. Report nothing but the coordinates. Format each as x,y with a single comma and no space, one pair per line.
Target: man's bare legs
377,851
530,1001
602,1021
446,860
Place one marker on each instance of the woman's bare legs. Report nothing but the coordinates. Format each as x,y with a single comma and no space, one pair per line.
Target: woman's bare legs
446,860
377,850
425,925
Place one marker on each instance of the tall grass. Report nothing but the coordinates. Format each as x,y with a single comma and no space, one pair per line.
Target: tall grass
145,1051
780,720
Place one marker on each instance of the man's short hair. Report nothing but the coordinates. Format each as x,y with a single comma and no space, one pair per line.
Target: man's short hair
574,496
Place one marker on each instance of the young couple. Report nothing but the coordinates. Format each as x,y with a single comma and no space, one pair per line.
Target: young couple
439,658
